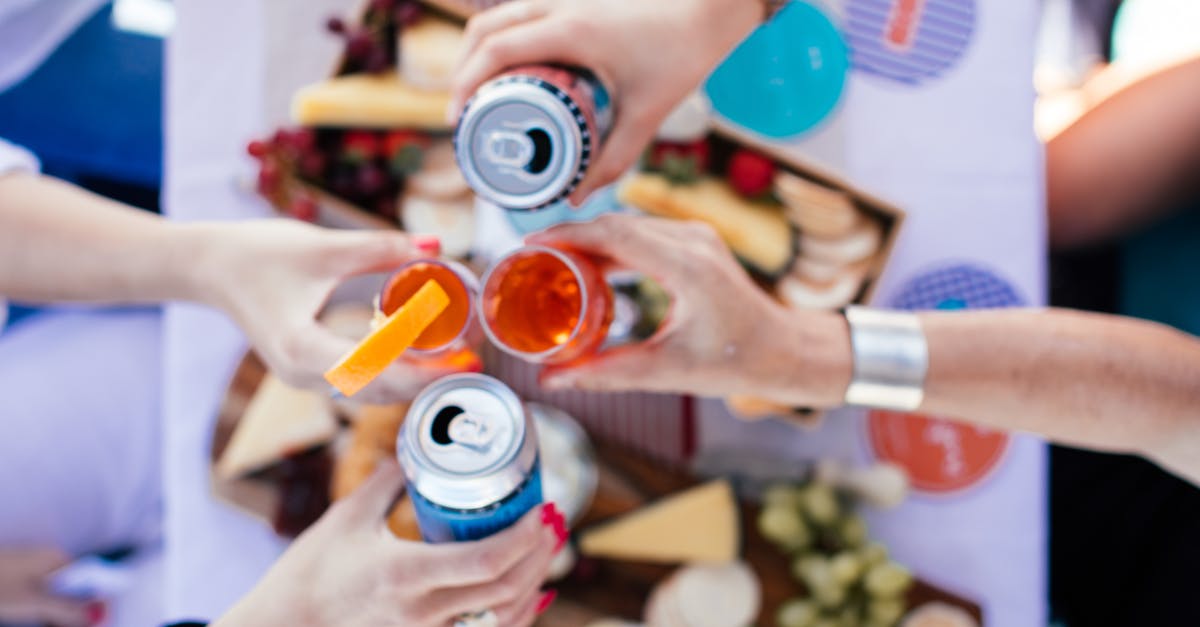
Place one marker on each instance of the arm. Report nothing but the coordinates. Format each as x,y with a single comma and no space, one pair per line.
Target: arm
1100,381
1128,160
273,277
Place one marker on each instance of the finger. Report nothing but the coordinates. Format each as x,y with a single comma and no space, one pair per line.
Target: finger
482,561
370,503
538,41
525,610
42,561
628,241
362,252
629,137
518,584
496,19
48,610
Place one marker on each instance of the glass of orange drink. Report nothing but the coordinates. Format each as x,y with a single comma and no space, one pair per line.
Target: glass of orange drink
456,329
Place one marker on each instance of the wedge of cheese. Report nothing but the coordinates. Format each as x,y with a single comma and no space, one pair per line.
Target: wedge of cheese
380,101
278,421
697,525
428,52
758,232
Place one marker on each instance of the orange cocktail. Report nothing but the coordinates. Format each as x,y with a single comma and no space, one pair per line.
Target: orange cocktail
546,305
452,330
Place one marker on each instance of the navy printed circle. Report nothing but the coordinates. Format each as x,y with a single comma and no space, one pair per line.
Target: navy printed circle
909,41
957,287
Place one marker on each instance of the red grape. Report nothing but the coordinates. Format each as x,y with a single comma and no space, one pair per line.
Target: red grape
360,145
360,45
382,5
312,165
335,25
258,149
303,207
386,207
371,180
750,173
408,13
269,177
377,61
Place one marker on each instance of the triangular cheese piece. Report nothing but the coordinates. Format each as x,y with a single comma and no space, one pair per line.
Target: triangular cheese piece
698,525
380,101
278,421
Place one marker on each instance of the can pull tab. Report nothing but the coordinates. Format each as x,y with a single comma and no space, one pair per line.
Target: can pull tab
509,148
471,432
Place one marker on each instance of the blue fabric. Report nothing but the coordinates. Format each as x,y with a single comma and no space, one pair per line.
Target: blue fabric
94,108
1159,278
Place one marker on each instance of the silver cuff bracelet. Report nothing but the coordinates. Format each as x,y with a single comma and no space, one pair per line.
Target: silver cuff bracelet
891,358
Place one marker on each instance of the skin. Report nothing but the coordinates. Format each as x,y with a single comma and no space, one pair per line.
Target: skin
1104,382
349,570
62,244
610,39
1128,160
59,243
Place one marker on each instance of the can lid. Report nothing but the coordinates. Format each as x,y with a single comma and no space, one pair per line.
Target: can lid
521,143
466,442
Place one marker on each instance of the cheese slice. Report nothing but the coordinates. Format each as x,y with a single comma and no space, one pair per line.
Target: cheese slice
370,101
278,421
758,232
698,525
429,51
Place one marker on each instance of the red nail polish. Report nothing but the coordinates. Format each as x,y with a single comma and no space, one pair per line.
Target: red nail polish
96,612
427,244
545,600
549,513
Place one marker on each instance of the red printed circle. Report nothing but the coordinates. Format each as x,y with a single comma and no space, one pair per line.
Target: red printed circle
939,455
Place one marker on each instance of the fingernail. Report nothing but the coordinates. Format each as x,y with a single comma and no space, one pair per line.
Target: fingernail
549,513
427,244
96,612
545,600
556,522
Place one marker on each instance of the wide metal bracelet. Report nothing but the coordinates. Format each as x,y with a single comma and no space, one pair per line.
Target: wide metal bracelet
891,358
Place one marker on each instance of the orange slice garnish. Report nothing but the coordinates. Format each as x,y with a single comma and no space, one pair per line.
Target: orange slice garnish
385,344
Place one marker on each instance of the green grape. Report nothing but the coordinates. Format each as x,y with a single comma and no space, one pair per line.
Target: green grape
826,621
885,611
887,580
813,570
830,595
782,494
853,531
846,567
784,526
873,554
820,504
797,613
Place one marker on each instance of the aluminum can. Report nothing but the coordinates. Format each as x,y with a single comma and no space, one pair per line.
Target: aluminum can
469,451
526,138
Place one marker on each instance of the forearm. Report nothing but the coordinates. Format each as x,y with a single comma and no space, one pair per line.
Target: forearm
61,243
1099,381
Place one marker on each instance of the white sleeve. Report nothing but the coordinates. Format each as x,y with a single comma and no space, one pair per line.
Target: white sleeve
14,158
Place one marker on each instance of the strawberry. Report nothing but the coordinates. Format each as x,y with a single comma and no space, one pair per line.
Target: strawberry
360,145
681,163
750,173
303,208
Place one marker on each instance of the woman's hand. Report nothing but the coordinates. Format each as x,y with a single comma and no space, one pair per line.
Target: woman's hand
275,276
650,53
723,336
348,569
25,597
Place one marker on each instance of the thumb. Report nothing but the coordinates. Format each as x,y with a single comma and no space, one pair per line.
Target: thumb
622,148
363,252
371,502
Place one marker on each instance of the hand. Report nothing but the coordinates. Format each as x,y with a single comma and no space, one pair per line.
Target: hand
348,569
723,336
650,53
274,277
25,598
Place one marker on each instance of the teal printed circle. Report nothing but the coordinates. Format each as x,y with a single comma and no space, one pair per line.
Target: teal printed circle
787,77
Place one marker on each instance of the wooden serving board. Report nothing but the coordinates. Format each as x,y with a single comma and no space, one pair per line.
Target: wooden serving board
596,588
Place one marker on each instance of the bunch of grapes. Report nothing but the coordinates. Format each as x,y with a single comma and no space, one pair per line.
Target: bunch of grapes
371,45
287,151
851,582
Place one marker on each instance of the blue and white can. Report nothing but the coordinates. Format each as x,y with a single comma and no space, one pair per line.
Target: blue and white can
470,456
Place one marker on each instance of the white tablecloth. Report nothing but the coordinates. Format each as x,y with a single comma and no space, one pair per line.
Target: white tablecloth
223,88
